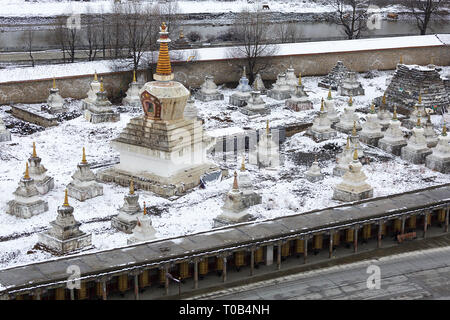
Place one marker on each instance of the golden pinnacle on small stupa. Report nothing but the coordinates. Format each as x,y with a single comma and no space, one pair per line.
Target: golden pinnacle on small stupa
145,209
329,94
243,163
420,98
102,89
354,129
131,186
401,59
299,78
235,182
321,106
348,143
394,116
267,127
444,130
27,173
372,108
355,155
350,101
418,120
383,101
66,199
95,76
83,159
181,33
34,155
134,75
54,83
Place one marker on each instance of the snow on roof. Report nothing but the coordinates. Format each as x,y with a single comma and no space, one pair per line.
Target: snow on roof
444,38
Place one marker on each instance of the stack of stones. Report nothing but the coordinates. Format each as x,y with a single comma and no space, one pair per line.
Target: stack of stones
334,78
242,94
416,150
321,129
255,105
331,111
280,90
27,202
408,80
55,103
299,99
393,140
208,91
314,174
371,130
5,135
65,235
126,219
258,85
343,160
439,160
44,183
350,86
348,118
83,185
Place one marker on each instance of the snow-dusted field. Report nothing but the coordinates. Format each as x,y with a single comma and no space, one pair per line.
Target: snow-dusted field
284,191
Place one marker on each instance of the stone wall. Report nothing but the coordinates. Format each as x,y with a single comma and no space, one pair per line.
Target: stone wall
192,74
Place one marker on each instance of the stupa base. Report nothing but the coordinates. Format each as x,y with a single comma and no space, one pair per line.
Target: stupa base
5,136
26,210
347,128
175,185
415,156
124,222
339,172
239,101
252,111
61,247
278,95
229,218
441,165
346,196
43,187
299,105
101,117
314,178
205,97
369,140
321,136
82,193
391,147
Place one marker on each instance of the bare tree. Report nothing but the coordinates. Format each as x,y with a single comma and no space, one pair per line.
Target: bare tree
352,16
286,32
425,10
29,38
68,38
252,27
60,35
91,37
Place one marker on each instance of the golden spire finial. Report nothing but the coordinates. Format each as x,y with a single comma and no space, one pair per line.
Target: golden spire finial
401,59
384,99
355,155
27,173
66,199
348,143
145,209
235,183
83,159
163,66
444,130
131,186
299,78
95,76
329,94
102,89
321,106
34,155
350,101
134,75
394,117
354,129
267,127
420,98
54,83
372,108
243,163
418,120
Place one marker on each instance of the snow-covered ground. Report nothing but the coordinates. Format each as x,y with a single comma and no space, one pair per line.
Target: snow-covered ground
20,8
284,191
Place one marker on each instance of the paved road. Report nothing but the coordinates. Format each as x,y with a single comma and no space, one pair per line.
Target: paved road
417,275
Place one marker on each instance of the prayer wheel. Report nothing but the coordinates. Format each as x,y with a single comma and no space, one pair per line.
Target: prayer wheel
349,235
122,282
259,255
336,238
440,216
398,225
299,246
219,264
318,241
144,279
412,222
98,289
366,231
239,259
82,292
203,267
383,229
60,293
285,249
184,270
162,276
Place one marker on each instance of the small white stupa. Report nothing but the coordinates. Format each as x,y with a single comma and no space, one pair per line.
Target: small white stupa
5,135
190,111
55,103
343,160
65,235
418,112
94,87
416,150
291,79
126,219
350,86
44,183
348,118
208,91
280,89
353,186
27,202
83,185
268,151
430,133
321,129
439,160
101,109
331,110
371,130
143,231
258,85
314,173
242,94
354,141
255,105
299,99
393,140
133,98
